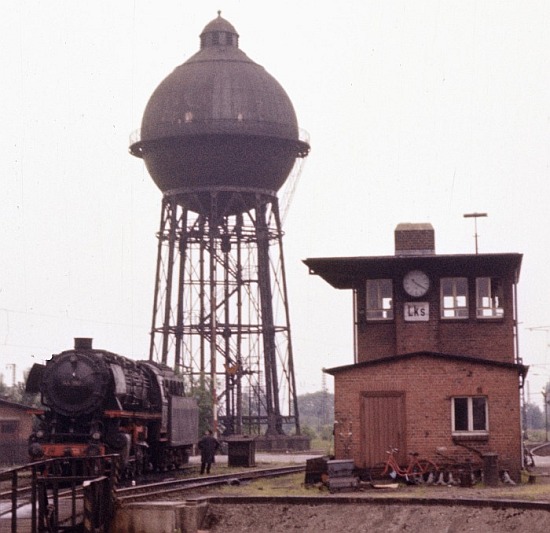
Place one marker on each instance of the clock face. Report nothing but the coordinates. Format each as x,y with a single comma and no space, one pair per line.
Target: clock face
416,283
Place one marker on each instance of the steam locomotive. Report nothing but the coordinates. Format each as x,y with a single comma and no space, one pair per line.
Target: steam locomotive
97,402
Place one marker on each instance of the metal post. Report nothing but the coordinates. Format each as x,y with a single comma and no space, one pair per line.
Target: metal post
158,282
14,501
182,249
213,223
34,497
475,216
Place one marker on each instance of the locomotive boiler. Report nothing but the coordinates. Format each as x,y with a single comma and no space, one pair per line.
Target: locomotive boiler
97,402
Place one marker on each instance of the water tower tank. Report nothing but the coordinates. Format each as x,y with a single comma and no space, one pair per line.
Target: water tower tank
219,120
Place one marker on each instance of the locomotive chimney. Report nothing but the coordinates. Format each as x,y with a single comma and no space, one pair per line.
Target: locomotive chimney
83,343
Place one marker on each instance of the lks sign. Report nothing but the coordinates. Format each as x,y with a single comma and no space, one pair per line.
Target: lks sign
417,312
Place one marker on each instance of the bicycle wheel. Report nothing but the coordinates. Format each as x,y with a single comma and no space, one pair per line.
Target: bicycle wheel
424,470
416,475
378,472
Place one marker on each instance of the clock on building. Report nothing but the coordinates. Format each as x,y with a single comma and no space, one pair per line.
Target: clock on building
416,283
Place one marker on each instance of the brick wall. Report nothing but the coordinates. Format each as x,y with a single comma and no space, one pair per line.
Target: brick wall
376,342
485,338
15,429
428,384
417,239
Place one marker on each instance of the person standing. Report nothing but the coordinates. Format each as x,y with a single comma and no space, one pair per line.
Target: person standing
208,446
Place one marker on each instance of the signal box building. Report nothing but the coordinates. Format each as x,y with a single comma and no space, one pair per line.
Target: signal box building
436,367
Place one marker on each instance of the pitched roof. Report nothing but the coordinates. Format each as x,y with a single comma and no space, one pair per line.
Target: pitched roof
14,405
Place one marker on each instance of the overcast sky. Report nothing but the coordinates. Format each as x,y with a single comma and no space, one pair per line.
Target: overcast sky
417,112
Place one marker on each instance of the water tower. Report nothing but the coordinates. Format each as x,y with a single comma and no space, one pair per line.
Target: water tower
219,136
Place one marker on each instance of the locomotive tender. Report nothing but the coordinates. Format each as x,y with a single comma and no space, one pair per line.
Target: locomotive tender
97,402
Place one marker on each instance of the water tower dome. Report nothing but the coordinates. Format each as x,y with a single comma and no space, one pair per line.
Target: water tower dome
219,120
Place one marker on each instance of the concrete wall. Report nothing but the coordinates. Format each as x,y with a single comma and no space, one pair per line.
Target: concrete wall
160,517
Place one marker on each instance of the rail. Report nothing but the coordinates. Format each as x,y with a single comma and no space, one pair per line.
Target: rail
162,488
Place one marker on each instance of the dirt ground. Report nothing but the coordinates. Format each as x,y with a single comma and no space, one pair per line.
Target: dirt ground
380,510
373,518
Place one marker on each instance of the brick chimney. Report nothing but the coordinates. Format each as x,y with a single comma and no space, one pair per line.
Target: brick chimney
414,239
83,343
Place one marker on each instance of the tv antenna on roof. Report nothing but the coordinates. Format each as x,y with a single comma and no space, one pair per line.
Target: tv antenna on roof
475,216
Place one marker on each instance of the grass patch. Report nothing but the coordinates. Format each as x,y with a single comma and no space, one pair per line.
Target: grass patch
326,447
289,485
293,485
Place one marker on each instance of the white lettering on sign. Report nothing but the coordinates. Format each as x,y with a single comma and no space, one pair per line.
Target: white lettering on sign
417,312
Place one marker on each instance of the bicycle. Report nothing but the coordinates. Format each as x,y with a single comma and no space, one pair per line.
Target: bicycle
417,470
466,473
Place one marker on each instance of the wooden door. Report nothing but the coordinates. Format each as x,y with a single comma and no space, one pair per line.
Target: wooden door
383,426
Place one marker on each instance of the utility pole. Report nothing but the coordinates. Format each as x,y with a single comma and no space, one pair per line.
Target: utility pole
545,395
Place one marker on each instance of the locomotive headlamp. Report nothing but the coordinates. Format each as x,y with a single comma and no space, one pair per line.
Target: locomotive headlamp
40,433
96,435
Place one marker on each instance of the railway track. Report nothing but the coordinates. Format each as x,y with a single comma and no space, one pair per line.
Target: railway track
69,506
193,483
164,488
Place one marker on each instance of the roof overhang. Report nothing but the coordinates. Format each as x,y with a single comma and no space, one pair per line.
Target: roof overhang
346,272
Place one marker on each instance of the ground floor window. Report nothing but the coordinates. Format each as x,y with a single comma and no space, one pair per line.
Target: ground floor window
8,428
470,414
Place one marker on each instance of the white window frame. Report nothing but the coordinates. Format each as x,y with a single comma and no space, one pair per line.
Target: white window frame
383,310
470,416
458,301
489,298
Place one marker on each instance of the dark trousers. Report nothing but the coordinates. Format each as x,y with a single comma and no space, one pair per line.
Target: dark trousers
205,466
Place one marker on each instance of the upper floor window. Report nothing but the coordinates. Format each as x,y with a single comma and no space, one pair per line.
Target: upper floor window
489,298
470,414
379,299
454,298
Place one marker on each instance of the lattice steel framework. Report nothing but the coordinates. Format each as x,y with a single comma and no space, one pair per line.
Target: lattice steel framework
220,312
